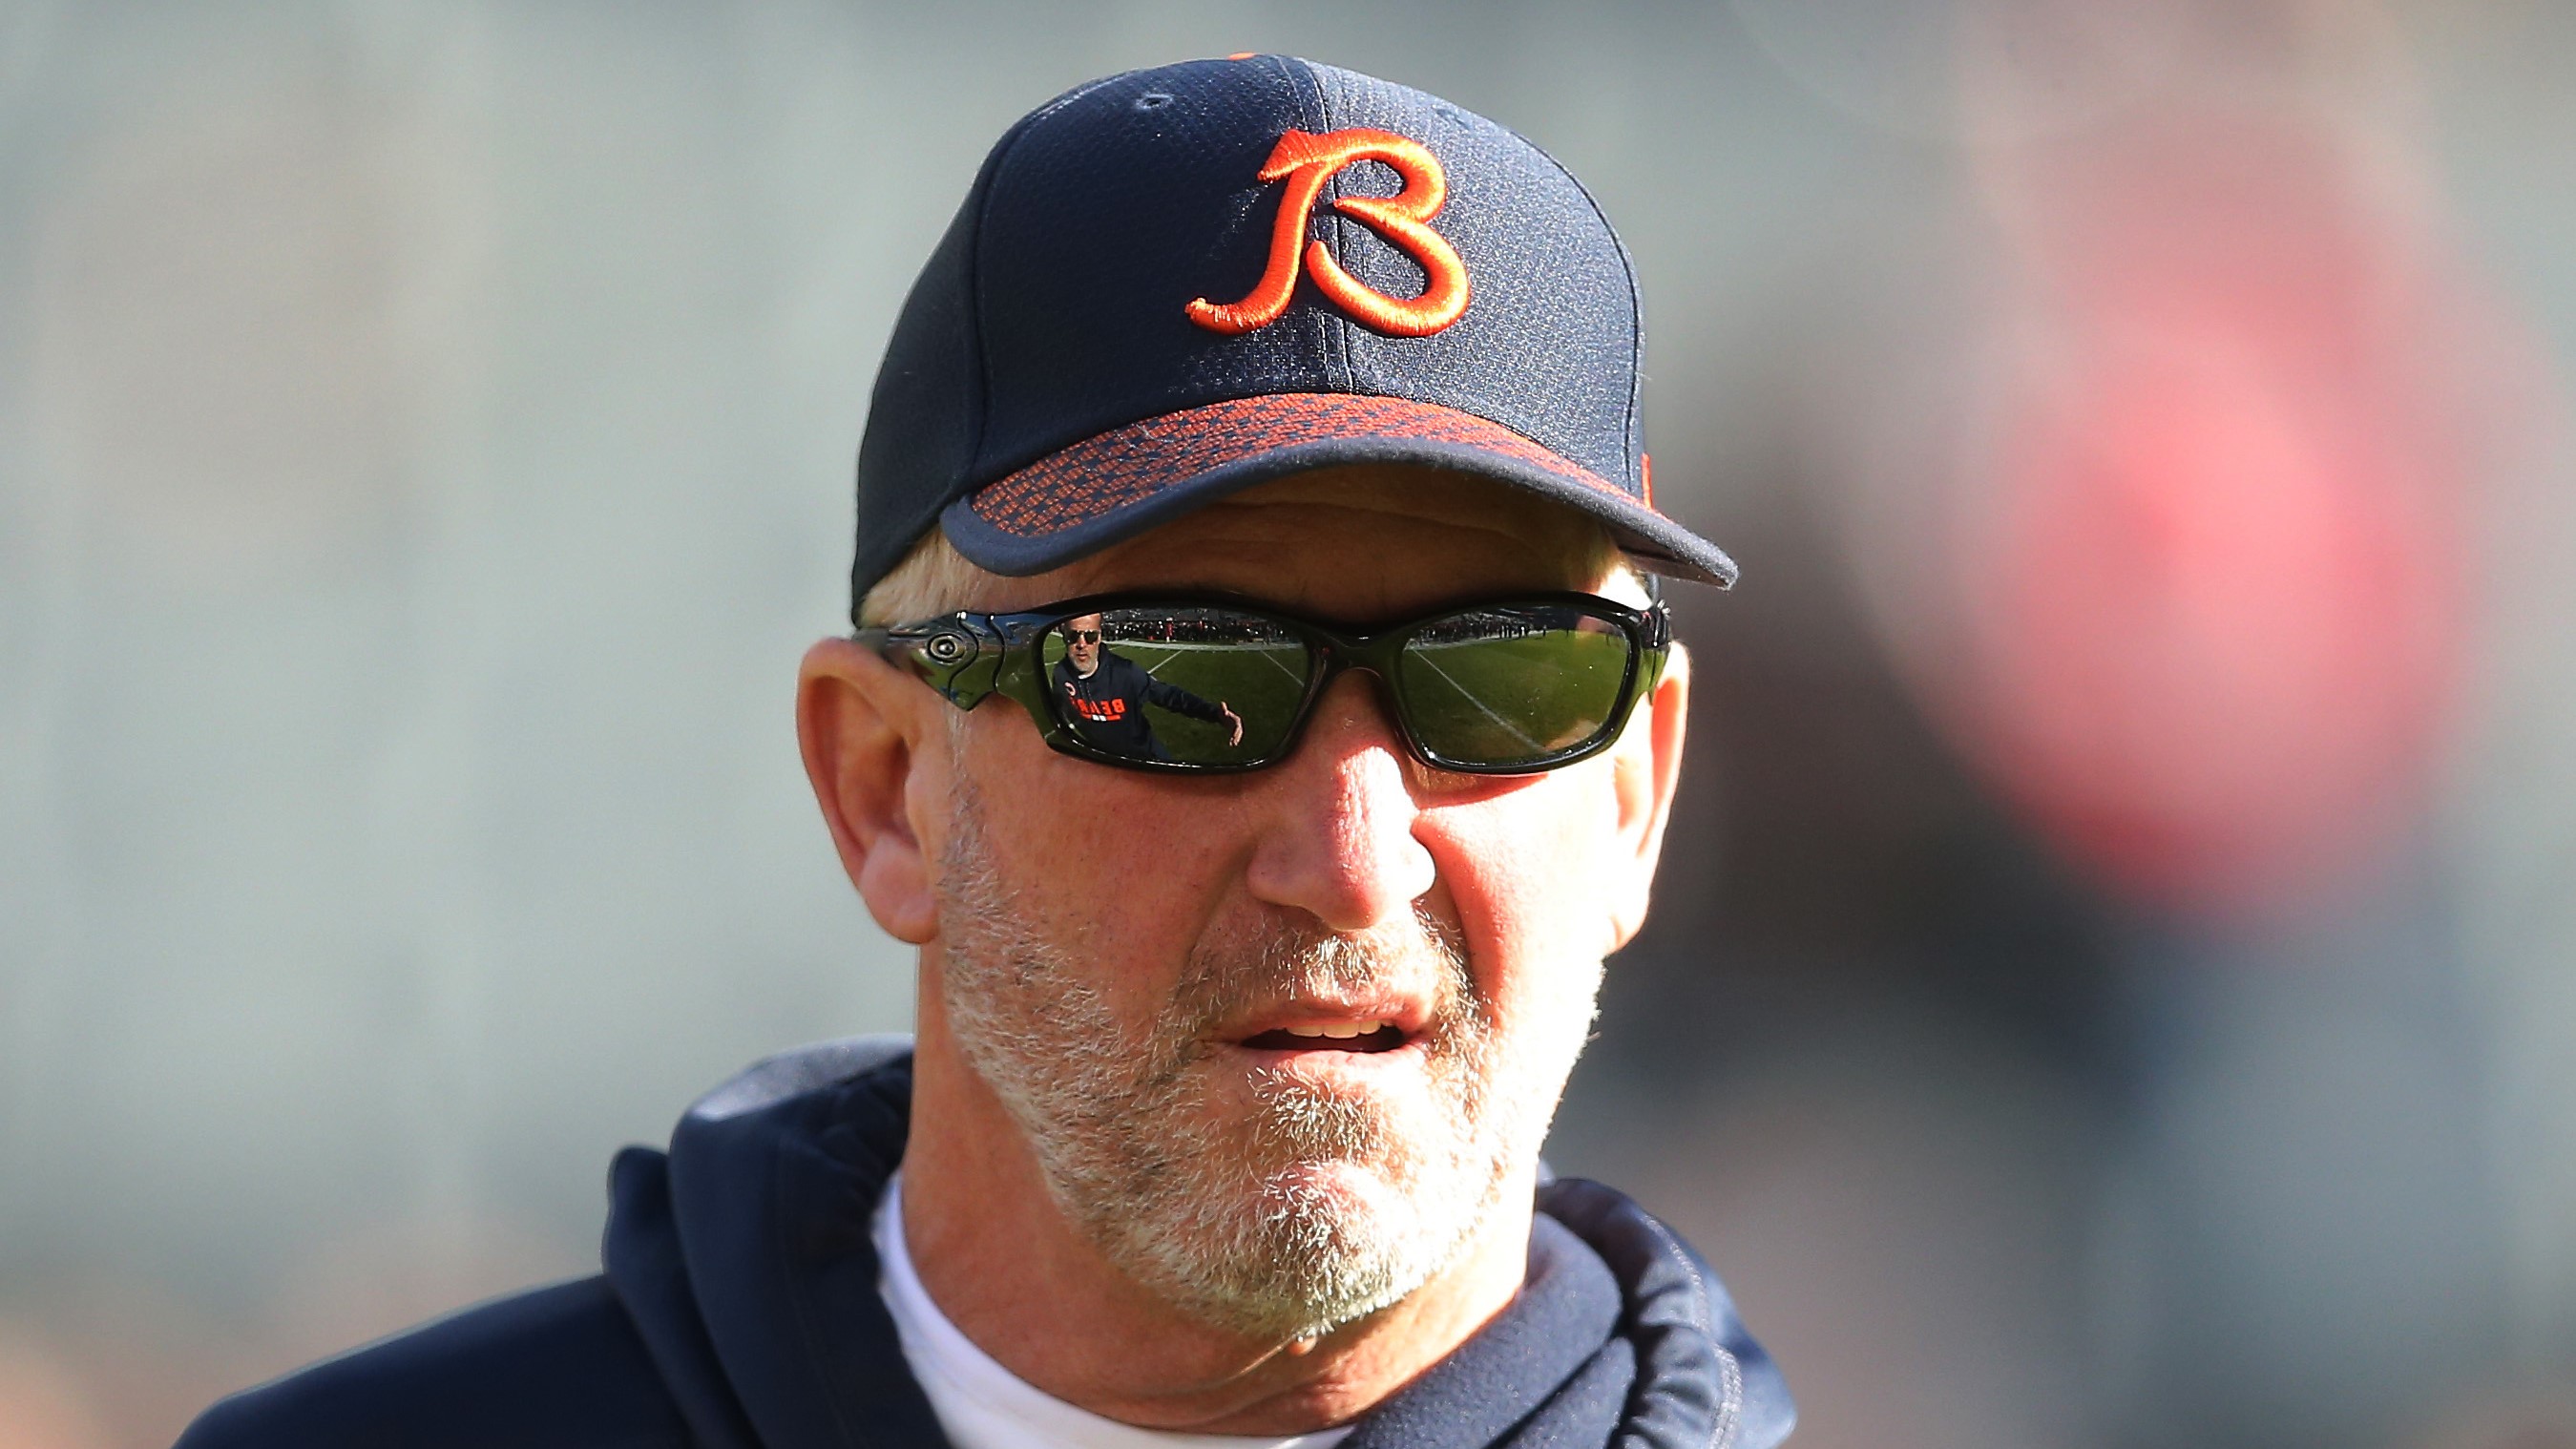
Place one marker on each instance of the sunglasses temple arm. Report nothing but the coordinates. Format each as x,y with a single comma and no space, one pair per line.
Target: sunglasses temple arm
960,654
1657,653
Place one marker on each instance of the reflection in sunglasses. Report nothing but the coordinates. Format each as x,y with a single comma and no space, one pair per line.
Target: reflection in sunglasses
1508,687
1515,731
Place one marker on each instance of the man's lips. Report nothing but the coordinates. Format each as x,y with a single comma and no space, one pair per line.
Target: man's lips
1357,1036
1372,1026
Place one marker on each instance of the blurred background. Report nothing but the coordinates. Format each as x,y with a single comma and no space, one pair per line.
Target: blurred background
2111,980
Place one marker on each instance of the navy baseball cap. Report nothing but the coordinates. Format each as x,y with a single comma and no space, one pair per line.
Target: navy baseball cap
1174,283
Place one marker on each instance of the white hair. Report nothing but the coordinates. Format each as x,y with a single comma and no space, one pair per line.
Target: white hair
932,579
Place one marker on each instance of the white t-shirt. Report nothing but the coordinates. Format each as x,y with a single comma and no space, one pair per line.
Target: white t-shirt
983,1405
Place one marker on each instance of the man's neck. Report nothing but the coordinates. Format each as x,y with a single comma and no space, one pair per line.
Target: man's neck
1020,1280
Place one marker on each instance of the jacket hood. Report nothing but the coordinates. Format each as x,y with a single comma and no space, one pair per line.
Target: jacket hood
743,1257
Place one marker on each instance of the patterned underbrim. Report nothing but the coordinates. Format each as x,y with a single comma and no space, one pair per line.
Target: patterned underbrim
1120,482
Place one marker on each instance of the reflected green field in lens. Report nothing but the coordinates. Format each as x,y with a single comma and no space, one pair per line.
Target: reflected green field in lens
1261,684
1494,700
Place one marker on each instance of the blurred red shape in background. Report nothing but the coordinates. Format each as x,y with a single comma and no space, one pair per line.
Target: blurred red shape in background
2205,571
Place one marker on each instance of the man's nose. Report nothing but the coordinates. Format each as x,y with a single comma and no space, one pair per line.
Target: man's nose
1338,842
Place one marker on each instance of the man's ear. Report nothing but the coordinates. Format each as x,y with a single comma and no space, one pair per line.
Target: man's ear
1648,769
870,739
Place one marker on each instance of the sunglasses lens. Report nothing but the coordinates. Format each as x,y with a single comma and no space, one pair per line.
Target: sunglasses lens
1497,687
1184,684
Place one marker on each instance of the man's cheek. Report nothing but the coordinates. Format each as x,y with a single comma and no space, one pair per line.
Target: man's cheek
1061,822
1527,869
1113,878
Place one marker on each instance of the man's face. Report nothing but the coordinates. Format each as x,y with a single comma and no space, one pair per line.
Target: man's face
1082,642
1280,1041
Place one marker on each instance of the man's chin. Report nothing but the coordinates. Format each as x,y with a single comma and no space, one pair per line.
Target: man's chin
1352,1132
1302,1210
1338,1188
1314,1245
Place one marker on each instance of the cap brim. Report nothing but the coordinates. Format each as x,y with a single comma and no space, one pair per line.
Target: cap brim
1119,483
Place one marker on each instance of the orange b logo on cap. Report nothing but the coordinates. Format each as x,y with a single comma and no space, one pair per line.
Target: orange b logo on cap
1308,162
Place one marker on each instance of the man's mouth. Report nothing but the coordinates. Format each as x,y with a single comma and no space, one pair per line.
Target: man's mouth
1332,1036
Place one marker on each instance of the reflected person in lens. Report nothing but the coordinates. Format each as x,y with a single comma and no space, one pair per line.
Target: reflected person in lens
1105,694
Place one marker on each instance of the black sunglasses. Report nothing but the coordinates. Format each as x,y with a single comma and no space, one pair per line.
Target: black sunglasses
1208,684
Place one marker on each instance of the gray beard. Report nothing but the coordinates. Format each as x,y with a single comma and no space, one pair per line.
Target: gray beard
1221,1213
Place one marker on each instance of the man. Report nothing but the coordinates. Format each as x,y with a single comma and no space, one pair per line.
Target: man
1234,1056
1106,695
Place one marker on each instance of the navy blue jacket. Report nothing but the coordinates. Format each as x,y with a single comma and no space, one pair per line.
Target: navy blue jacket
739,1310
